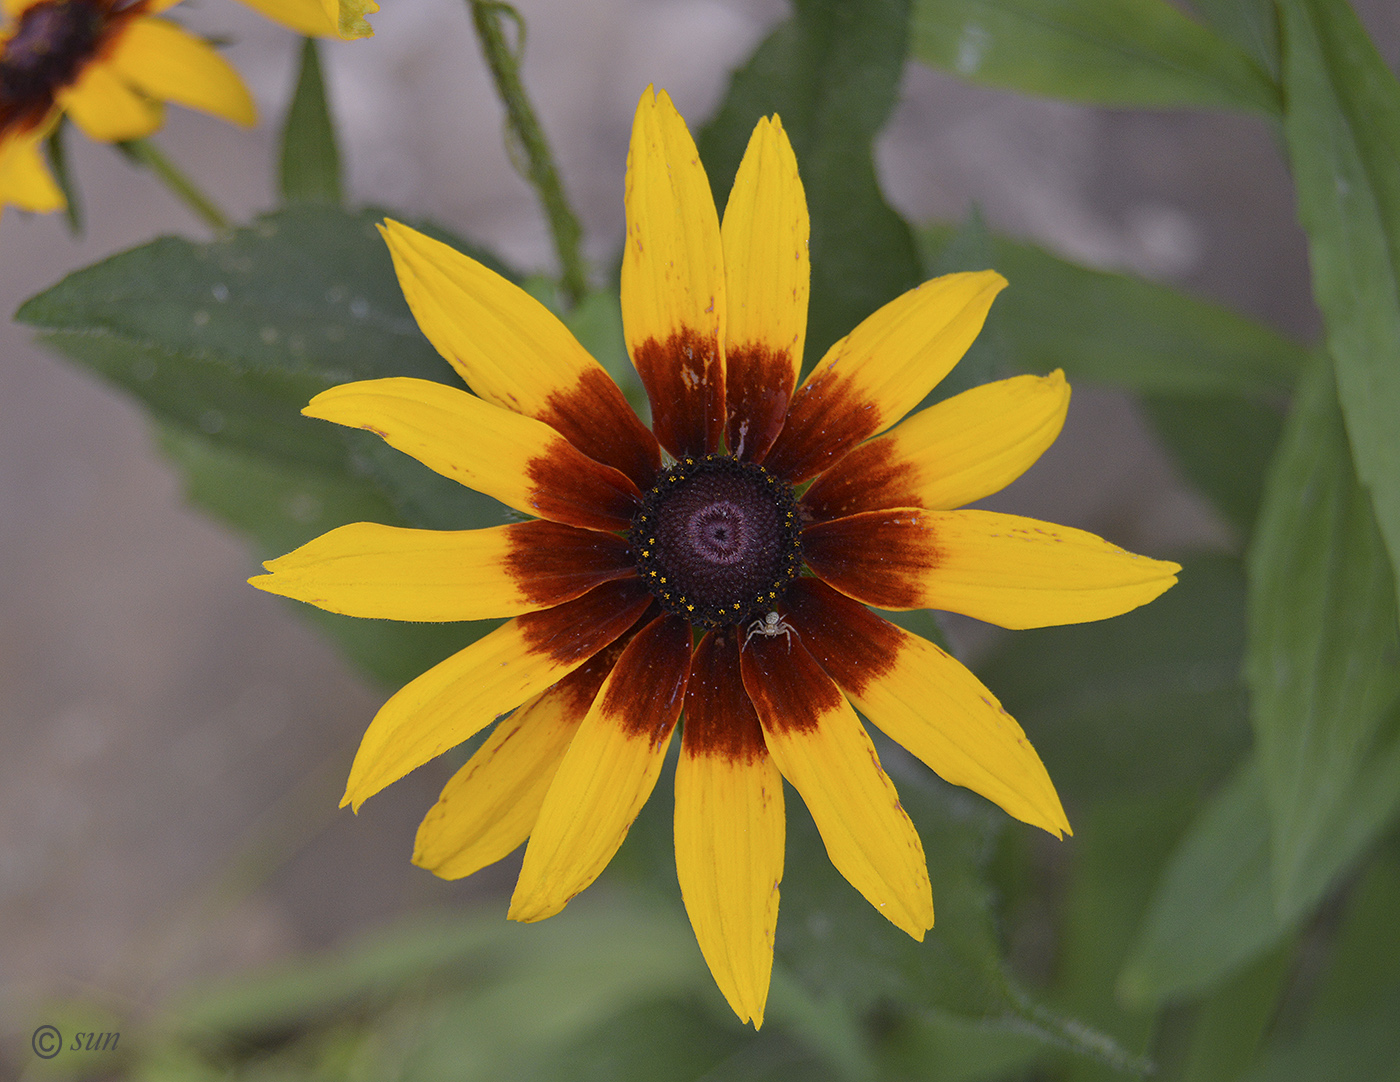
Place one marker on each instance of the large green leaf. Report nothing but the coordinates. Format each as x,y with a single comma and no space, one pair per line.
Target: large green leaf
1107,52
1324,655
224,342
832,73
1250,24
1343,136
1124,331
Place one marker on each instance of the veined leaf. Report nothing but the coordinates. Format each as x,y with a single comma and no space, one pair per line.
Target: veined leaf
1105,52
832,72
1323,661
1343,136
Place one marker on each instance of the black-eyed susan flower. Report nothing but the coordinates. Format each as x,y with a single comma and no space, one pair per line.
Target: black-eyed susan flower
717,567
109,65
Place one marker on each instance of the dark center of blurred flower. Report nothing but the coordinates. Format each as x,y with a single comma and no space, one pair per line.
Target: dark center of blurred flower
717,540
54,40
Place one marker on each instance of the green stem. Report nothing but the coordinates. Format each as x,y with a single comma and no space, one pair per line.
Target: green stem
145,153
504,62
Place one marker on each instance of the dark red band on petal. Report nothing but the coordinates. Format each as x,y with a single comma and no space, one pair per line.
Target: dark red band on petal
719,719
787,687
758,383
684,378
866,479
578,629
573,488
597,419
849,641
879,557
552,562
648,688
827,418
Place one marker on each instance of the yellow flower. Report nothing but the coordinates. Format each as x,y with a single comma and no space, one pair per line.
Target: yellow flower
689,570
320,18
108,65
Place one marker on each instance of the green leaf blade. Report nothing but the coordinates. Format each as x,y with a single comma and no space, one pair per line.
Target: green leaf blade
1323,660
1142,53
308,168
1342,131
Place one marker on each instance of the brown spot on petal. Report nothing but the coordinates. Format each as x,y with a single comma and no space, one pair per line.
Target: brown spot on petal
851,643
648,688
571,487
580,628
758,389
552,562
596,418
684,378
878,557
827,418
719,718
866,479
788,688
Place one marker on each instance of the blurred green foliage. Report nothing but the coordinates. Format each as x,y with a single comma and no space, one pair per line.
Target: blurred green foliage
1229,756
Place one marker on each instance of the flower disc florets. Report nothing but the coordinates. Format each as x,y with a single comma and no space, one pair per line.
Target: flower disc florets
717,539
47,51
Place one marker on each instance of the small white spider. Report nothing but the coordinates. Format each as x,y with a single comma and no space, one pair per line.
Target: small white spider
770,627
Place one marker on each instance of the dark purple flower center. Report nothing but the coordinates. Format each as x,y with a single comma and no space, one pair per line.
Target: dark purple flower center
717,540
51,45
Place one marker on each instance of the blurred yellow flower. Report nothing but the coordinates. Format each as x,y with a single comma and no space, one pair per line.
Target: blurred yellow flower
109,65
320,18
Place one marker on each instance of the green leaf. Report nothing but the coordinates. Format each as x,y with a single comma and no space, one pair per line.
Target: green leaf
1105,52
832,73
1250,24
1150,701
56,151
309,167
1125,331
1343,137
1324,655
1213,910
1364,1045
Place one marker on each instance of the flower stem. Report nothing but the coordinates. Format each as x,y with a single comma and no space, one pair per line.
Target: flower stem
145,153
524,125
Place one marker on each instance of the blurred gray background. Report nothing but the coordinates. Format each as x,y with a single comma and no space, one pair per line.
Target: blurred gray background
161,722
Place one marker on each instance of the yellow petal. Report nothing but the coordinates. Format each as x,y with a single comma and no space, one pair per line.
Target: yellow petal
673,304
514,352
608,771
729,828
456,698
955,452
823,750
522,462
389,573
491,804
169,64
767,281
927,701
24,179
312,18
108,110
882,370
1005,569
